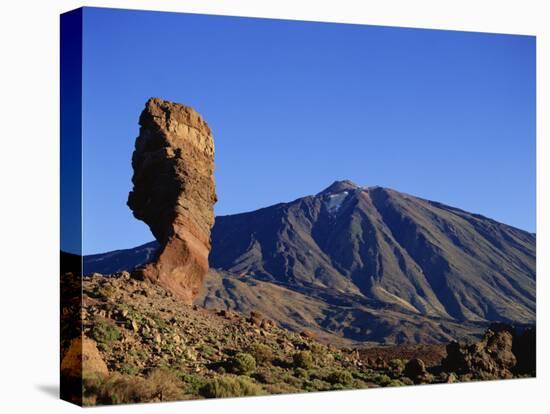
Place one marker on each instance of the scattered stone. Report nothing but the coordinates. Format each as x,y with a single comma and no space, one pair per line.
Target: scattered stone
380,363
267,323
255,321
256,315
307,334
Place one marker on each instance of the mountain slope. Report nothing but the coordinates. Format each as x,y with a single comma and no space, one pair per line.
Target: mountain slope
338,318
373,264
120,260
388,247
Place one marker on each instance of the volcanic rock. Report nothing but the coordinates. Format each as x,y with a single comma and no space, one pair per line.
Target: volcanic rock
174,194
415,369
492,356
83,358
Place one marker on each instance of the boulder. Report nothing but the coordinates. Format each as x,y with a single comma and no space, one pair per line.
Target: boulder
82,359
174,194
415,369
491,357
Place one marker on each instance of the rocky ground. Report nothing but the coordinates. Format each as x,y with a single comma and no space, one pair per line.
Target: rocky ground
141,344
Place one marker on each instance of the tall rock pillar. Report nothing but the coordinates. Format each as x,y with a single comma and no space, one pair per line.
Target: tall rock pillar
174,193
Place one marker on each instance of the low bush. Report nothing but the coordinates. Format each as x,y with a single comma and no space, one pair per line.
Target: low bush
318,349
316,385
282,388
206,351
242,363
193,383
406,381
303,359
104,332
301,373
230,386
265,377
395,383
104,291
396,367
340,377
129,369
122,389
261,353
382,380
160,385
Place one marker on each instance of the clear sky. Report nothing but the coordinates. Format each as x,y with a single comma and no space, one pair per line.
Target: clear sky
444,115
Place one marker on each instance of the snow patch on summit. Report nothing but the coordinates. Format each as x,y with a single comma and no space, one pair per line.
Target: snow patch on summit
335,201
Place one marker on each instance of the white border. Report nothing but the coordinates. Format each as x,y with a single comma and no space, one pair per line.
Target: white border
29,169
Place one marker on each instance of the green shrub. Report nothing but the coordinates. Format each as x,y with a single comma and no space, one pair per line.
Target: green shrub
122,389
230,386
105,291
288,378
382,380
265,377
340,377
162,384
316,385
406,381
261,353
301,373
318,349
207,351
129,369
397,366
243,363
91,386
104,332
282,388
303,359
193,382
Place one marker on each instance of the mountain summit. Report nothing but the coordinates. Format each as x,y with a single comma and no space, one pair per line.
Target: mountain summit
340,186
358,265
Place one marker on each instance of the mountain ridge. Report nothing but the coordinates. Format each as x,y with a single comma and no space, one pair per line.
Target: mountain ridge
373,264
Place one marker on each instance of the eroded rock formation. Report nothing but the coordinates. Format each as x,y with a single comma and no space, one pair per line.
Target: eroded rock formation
493,356
174,193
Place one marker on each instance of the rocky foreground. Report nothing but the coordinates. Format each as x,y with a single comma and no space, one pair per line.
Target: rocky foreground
141,344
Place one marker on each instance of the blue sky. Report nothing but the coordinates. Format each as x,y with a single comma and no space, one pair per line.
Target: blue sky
445,115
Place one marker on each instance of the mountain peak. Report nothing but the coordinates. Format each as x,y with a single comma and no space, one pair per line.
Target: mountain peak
339,186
